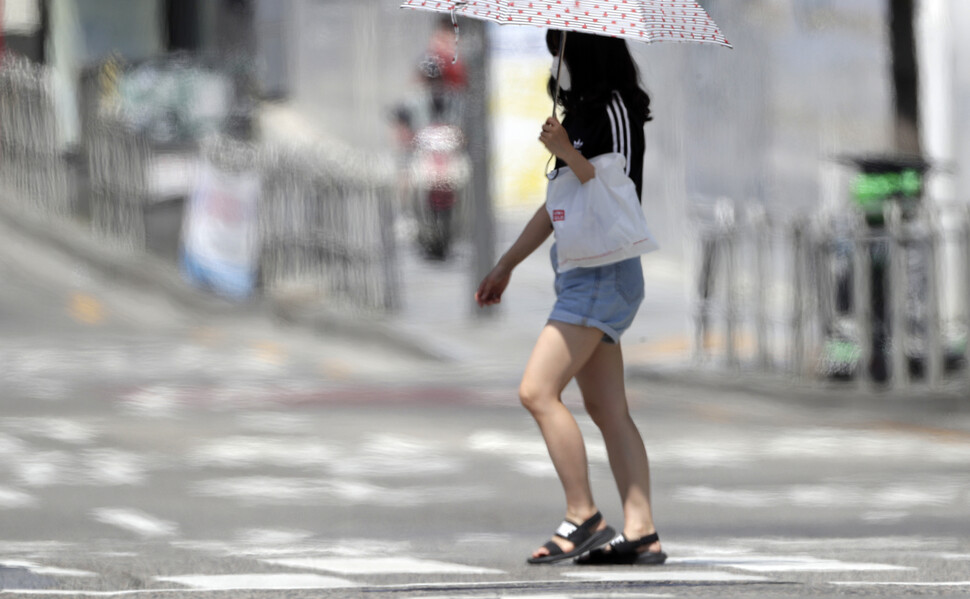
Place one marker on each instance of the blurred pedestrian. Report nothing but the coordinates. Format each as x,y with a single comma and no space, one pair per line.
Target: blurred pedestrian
427,129
605,112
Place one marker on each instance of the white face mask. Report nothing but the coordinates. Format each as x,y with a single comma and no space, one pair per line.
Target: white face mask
564,83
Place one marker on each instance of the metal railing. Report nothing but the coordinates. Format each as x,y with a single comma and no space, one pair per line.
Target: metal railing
325,218
834,297
31,167
329,219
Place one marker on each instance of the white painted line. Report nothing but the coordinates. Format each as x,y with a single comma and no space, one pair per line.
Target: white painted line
115,468
602,595
242,582
56,429
46,570
443,585
664,576
14,498
958,583
895,498
248,451
783,563
380,565
135,521
75,593
273,490
598,595
820,566
56,593
268,536
955,556
44,468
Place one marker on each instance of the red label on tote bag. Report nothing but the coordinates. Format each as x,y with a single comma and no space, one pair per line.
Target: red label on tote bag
558,216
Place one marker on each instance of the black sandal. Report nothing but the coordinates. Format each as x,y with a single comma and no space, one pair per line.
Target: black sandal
583,537
624,552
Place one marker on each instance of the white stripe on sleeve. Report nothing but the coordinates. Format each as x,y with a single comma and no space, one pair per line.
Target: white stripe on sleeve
625,120
613,127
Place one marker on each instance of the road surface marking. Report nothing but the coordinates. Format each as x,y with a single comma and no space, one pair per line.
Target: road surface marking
86,309
664,576
903,495
581,595
780,563
158,401
135,521
55,429
277,490
44,468
46,570
862,583
380,565
15,498
242,582
821,565
465,587
269,536
249,451
113,467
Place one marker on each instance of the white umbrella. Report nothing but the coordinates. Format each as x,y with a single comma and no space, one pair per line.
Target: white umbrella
639,20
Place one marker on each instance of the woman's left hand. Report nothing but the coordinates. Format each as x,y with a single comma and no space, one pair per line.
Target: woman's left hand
555,138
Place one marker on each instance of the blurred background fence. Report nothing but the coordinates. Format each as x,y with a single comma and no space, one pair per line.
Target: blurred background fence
30,162
324,218
836,296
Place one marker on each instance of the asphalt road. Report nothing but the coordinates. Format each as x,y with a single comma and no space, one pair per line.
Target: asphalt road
150,451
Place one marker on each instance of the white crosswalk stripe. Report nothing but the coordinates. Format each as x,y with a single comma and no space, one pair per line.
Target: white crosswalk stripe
363,564
135,521
240,582
666,575
380,565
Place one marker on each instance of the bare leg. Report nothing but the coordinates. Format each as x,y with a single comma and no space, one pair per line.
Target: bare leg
604,394
559,353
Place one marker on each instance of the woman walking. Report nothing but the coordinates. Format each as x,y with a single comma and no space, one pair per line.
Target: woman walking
605,112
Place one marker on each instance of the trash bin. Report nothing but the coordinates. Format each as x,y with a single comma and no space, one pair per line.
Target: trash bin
879,180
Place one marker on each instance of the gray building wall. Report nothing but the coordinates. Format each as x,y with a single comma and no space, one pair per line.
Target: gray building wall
960,15
805,83
350,61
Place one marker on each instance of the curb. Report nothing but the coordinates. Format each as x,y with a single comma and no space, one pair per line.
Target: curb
142,269
913,404
372,328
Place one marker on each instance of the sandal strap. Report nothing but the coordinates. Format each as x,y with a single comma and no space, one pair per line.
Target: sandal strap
622,545
577,533
553,548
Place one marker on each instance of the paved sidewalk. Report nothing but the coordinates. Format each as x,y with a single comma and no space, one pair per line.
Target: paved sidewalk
439,318
439,321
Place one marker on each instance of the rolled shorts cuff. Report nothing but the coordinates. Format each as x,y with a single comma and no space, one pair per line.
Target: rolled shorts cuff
610,335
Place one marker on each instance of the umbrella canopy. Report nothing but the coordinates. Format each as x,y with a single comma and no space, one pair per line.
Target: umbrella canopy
638,20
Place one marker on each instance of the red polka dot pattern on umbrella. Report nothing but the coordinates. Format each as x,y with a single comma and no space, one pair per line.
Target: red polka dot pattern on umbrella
640,20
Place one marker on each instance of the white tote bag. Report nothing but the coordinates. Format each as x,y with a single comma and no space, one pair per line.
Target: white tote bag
599,222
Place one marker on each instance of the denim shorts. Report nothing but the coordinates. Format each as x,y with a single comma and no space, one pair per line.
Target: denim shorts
604,297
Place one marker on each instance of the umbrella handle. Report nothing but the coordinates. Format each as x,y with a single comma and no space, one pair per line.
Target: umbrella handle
555,97
562,53
454,23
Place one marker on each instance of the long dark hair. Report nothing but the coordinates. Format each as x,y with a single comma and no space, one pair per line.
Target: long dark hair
597,66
